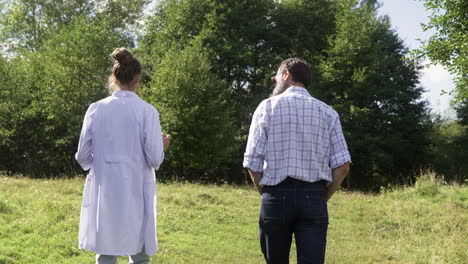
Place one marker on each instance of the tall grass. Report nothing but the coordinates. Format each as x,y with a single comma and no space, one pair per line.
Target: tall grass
426,223
428,184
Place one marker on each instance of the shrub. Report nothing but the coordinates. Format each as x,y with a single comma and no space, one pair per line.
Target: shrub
428,183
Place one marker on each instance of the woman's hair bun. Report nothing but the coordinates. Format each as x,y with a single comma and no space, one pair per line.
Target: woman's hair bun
122,56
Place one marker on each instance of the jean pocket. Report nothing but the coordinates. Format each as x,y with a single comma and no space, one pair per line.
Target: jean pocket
272,209
316,210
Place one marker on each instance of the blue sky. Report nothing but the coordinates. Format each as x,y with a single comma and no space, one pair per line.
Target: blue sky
406,17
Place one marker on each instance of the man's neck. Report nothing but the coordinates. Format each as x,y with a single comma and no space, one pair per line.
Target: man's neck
298,84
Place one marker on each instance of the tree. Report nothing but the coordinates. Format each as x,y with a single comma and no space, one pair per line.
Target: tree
461,143
193,109
58,64
448,46
366,77
244,41
449,148
207,64
358,63
462,112
27,23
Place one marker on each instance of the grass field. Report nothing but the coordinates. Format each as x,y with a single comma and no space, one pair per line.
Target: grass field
218,224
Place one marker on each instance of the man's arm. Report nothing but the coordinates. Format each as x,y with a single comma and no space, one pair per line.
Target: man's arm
338,175
256,177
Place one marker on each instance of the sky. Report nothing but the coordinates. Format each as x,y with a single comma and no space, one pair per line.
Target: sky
406,17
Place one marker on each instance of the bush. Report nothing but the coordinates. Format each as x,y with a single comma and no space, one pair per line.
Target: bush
428,183
192,104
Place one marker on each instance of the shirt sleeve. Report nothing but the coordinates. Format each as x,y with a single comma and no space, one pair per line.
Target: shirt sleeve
153,143
256,143
84,154
339,153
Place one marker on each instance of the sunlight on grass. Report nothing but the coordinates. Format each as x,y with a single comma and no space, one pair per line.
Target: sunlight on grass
218,224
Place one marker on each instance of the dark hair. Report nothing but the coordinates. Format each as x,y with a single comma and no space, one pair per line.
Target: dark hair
126,67
299,69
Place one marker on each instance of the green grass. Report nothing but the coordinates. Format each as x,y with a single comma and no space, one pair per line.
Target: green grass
218,224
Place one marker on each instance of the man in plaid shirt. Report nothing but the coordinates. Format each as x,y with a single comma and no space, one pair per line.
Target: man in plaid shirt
297,158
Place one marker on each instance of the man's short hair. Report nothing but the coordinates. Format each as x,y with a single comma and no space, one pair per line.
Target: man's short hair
299,69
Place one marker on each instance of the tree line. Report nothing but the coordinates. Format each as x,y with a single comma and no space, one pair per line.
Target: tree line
207,64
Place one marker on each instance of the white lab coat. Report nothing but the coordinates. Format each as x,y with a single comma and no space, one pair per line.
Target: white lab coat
121,145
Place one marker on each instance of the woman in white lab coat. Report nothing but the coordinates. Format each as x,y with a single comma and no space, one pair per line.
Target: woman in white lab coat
121,145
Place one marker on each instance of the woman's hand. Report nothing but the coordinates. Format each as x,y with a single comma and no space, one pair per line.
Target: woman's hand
166,140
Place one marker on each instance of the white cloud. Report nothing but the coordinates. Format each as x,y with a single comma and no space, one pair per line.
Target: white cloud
435,73
438,83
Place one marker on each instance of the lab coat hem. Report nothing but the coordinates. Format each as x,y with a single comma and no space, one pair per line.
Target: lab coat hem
118,253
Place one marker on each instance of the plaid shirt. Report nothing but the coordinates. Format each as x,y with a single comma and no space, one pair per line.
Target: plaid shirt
296,135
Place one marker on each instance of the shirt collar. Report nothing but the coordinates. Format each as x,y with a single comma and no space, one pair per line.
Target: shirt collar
297,90
124,93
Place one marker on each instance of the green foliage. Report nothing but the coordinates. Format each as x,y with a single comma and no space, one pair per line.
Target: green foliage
359,68
52,78
207,64
366,77
219,224
27,24
448,46
427,184
462,112
449,149
193,108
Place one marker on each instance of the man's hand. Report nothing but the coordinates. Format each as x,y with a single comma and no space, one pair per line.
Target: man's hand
166,140
338,175
256,177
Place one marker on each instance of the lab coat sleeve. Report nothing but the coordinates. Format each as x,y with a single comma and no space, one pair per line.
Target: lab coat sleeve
84,154
153,143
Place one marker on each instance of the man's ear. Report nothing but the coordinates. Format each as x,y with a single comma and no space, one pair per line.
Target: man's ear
287,75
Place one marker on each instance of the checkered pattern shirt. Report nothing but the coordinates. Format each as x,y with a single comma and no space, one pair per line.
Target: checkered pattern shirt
295,135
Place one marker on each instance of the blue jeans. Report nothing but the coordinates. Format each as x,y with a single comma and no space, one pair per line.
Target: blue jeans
294,207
